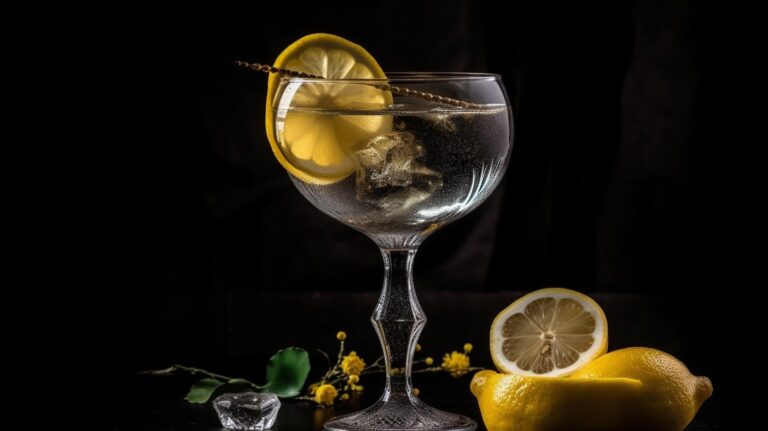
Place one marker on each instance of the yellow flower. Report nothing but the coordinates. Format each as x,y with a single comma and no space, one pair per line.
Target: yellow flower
325,394
352,364
429,361
341,335
354,378
416,392
418,347
344,397
356,388
312,388
468,348
456,363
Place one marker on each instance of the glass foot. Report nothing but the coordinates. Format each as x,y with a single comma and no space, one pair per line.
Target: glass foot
401,413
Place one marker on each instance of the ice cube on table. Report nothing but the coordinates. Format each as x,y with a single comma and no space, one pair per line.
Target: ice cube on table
247,410
390,176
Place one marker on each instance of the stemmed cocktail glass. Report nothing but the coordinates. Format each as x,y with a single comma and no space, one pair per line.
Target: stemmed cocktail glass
415,152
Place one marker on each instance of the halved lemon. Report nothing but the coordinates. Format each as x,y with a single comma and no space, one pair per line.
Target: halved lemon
548,332
313,139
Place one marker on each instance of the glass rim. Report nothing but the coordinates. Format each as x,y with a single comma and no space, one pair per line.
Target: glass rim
414,77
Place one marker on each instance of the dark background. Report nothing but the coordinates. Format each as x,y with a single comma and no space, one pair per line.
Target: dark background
615,188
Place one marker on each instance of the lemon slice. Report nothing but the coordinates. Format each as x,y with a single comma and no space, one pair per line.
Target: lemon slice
313,140
549,332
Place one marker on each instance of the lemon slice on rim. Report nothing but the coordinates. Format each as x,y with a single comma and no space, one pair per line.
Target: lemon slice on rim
314,141
548,332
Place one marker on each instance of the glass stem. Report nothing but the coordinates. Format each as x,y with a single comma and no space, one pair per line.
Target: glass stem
398,319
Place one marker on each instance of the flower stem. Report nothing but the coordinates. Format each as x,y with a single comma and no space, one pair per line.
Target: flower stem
332,370
428,370
334,381
180,369
327,359
376,363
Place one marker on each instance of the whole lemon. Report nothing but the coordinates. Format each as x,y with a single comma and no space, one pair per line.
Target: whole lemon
672,395
630,390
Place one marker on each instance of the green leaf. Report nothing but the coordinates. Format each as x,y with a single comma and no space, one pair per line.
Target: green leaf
202,391
287,371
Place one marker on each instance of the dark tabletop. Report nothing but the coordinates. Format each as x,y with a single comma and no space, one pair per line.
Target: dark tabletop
157,411
293,416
